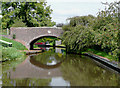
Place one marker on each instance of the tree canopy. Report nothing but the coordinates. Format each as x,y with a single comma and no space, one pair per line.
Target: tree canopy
33,14
78,33
103,31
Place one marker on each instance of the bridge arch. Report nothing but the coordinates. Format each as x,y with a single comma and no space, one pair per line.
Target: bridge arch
32,41
27,35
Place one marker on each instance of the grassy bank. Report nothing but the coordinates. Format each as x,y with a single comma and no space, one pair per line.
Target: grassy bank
100,53
10,53
15,44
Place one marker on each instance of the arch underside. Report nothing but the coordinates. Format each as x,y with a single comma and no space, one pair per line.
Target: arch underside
40,37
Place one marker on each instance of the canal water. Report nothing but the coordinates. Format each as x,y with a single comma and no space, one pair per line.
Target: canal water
56,68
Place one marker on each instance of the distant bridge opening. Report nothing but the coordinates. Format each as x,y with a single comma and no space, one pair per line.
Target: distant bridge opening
45,41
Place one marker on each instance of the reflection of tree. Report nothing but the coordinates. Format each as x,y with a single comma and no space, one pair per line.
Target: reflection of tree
84,72
11,64
24,82
20,82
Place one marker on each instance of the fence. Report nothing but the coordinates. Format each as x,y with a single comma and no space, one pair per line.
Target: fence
5,44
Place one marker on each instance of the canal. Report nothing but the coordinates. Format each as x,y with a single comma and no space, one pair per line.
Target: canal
56,68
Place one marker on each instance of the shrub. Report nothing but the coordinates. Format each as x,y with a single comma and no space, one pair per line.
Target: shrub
14,36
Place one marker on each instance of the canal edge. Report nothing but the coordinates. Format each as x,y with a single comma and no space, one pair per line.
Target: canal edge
103,61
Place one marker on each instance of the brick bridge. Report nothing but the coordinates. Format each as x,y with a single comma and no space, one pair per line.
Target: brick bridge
29,35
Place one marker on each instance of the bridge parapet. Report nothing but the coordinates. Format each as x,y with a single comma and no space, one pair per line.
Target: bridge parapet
28,34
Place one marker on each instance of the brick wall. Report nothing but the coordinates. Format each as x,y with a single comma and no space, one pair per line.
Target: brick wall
27,34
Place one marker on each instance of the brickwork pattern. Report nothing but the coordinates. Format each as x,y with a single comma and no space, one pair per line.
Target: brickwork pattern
28,34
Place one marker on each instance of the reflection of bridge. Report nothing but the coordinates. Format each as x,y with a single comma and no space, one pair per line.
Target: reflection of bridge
28,70
45,66
29,35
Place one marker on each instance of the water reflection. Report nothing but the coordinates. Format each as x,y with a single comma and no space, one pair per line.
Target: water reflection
59,81
53,61
85,72
48,59
54,68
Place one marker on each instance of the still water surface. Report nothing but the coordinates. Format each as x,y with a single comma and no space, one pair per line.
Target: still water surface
54,68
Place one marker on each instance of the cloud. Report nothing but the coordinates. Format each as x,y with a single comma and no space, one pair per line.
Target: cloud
63,9
75,8
67,12
81,0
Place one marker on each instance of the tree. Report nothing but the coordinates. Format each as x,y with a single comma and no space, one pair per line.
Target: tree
82,20
18,23
33,14
108,25
78,33
78,39
88,31
119,27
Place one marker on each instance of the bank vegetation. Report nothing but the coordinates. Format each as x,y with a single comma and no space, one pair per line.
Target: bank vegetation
99,33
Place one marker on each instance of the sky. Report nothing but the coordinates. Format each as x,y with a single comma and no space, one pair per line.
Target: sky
63,9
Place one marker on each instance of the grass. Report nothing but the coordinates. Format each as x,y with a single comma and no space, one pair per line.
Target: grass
100,53
34,46
10,53
62,45
51,43
15,44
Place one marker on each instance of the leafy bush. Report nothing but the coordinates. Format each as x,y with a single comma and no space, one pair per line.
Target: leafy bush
14,36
